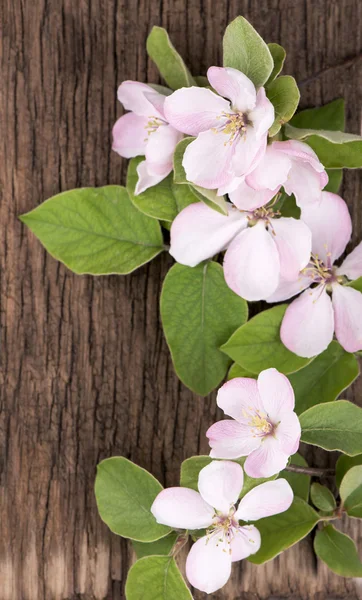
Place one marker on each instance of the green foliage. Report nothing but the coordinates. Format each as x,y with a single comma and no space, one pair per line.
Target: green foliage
335,180
338,551
96,231
322,497
344,463
125,494
245,50
238,371
330,117
161,547
325,378
156,578
283,93
284,530
169,63
333,426
257,345
351,492
356,284
199,312
299,482
278,55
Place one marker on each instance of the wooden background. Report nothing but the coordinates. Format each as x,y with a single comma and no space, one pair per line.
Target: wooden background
84,370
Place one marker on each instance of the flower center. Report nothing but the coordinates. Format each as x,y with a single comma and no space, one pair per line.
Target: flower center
224,528
234,125
259,423
152,125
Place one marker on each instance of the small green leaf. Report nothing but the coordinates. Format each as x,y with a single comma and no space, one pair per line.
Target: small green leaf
245,50
330,117
333,426
238,371
278,54
257,345
282,531
96,231
356,284
170,64
351,492
338,551
335,177
179,171
325,378
161,547
125,493
322,497
343,464
156,578
283,93
299,482
287,206
202,81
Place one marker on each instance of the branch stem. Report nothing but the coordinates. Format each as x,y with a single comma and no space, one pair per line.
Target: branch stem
312,471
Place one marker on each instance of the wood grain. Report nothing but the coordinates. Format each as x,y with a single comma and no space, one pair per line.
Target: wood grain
84,370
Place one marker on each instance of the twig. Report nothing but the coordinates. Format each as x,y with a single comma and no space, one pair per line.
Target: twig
314,472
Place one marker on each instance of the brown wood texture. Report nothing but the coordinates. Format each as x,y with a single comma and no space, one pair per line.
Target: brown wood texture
84,369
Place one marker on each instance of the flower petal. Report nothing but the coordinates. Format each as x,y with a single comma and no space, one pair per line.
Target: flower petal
199,232
135,96
130,135
331,226
182,508
288,433
276,394
234,85
207,160
347,305
160,149
147,179
220,484
193,109
246,198
208,565
267,460
248,150
269,498
288,289
352,265
237,397
262,117
246,541
230,439
272,171
304,182
308,324
251,264
294,242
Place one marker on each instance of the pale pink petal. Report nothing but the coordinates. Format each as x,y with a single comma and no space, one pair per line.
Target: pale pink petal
294,242
251,264
352,265
248,151
331,226
194,109
132,95
288,289
157,100
347,305
160,149
182,508
269,498
231,439
272,171
207,160
267,460
220,484
230,186
147,179
288,433
246,541
262,117
234,85
308,324
199,232
276,394
130,136
300,151
208,565
246,198
304,182
237,397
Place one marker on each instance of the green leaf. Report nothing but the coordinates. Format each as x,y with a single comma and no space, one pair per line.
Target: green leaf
287,206
245,50
299,482
169,63
96,231
282,531
338,551
283,93
278,55
257,345
333,426
125,493
351,492
325,378
238,371
156,578
356,284
202,81
199,312
179,171
335,180
161,547
330,117
322,497
335,149
343,464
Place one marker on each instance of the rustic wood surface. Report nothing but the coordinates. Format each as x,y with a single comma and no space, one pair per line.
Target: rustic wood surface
84,370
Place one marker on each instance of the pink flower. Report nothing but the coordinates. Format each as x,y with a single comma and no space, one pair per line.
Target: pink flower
311,319
145,130
208,564
260,247
291,164
266,428
231,136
